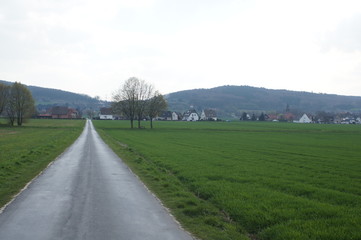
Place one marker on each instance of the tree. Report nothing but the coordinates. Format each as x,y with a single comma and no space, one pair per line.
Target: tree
262,117
144,93
10,110
125,99
324,117
132,98
253,118
20,104
244,116
156,105
281,118
4,92
90,113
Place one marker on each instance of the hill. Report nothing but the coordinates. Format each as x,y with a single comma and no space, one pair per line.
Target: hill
231,101
228,101
46,98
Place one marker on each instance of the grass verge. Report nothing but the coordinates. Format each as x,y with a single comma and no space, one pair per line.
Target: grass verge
25,151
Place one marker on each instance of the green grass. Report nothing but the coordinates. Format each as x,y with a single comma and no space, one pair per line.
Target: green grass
258,180
26,151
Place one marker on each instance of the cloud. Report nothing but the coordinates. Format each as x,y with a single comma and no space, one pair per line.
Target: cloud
347,35
180,44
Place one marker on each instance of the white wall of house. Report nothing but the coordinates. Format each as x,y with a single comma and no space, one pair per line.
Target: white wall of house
106,117
193,117
174,116
203,115
305,119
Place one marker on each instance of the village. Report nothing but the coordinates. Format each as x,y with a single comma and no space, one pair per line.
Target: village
190,115
106,113
211,115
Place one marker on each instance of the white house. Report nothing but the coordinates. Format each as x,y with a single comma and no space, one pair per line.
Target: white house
175,116
106,114
208,115
305,119
166,115
190,115
169,116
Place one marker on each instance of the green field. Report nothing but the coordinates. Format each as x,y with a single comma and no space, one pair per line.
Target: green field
239,180
25,151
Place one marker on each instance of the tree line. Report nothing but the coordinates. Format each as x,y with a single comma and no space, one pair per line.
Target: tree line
16,103
136,100
246,117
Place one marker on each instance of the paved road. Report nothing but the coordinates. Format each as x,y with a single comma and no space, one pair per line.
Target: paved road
88,193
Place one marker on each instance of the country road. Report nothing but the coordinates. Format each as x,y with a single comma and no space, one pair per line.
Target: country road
88,193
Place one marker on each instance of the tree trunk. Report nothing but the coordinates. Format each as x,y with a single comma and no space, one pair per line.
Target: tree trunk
151,123
11,121
20,119
131,123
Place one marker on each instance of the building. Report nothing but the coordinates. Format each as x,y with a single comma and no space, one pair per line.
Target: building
60,112
169,116
305,119
106,114
176,116
208,115
190,115
44,115
166,115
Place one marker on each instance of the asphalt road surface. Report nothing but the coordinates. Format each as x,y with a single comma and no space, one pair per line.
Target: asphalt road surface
88,193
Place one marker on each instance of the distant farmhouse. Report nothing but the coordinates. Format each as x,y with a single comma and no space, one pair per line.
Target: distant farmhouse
190,115
106,114
208,115
350,120
170,116
305,119
60,112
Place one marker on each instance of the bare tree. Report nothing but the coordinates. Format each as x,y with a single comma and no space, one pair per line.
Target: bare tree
20,104
4,92
125,99
10,112
90,113
10,107
156,105
135,99
145,91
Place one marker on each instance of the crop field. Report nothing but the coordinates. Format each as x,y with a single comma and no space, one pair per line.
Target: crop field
249,180
25,151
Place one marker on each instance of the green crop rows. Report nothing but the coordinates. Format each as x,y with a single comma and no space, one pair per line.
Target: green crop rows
26,151
233,180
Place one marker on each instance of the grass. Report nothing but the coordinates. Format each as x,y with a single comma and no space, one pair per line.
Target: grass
241,180
26,151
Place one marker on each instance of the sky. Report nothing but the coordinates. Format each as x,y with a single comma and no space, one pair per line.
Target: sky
92,47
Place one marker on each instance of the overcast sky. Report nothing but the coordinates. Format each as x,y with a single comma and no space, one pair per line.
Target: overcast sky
92,46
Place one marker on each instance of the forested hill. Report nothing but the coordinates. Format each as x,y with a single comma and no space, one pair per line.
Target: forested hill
228,101
231,101
46,98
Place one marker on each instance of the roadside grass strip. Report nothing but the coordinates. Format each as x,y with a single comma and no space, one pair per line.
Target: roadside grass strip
239,180
25,151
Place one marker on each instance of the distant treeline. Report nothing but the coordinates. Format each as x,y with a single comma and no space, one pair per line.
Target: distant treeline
232,101
46,98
